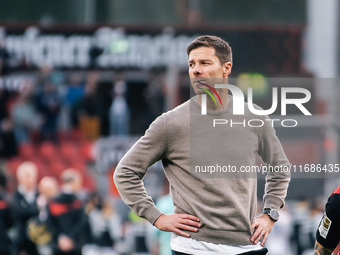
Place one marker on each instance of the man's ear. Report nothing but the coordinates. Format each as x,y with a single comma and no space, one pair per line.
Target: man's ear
227,68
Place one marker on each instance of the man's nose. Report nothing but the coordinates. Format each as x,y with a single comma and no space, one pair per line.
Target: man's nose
197,70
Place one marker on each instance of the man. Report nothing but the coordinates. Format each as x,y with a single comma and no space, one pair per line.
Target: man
4,57
5,218
328,233
24,207
212,215
67,218
38,231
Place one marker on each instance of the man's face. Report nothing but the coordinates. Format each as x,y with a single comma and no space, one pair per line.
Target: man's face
28,179
76,184
206,68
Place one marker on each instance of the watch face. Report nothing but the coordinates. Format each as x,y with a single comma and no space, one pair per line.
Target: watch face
274,214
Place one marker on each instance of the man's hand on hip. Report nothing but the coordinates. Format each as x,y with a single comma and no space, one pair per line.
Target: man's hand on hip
178,222
263,226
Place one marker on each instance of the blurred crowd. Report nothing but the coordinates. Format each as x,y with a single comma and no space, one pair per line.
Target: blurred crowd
54,216
43,106
45,117
295,232
50,211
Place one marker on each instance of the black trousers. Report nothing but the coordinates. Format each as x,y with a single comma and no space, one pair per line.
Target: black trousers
259,252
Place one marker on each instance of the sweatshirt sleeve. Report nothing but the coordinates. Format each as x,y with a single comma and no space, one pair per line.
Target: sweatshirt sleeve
132,168
272,153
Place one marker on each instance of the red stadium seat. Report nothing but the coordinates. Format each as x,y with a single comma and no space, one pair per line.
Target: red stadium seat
69,150
80,166
13,164
47,150
86,150
89,183
41,166
57,167
26,151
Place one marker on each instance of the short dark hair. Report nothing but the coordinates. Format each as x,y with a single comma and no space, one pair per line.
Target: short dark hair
222,48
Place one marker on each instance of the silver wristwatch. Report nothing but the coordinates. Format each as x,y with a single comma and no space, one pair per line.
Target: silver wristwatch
272,213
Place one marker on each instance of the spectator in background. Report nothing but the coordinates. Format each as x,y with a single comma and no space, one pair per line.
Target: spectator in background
8,143
155,96
300,237
74,92
48,104
136,234
119,111
38,231
316,213
5,96
75,89
88,110
4,57
67,218
24,115
44,76
48,189
24,206
105,226
5,218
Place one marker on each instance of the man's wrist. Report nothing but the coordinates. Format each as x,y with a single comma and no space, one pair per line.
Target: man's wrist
273,214
157,220
267,216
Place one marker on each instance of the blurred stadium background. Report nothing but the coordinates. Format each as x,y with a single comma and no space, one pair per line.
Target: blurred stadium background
81,80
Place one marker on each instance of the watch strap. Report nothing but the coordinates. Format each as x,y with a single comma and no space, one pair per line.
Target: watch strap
266,210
